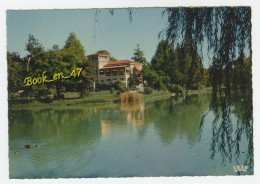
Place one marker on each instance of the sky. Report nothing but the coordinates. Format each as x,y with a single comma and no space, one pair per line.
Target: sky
115,34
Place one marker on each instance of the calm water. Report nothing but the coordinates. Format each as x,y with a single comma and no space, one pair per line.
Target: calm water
160,138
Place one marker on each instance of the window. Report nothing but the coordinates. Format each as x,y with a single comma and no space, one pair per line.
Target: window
102,80
121,72
108,73
115,72
108,80
122,79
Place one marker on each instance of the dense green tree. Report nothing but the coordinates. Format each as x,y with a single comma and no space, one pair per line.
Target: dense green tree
179,65
36,63
162,58
16,70
33,46
52,62
135,79
74,51
195,73
74,55
85,82
242,75
227,31
139,55
151,78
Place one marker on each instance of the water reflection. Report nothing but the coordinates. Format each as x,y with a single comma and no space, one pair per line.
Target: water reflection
136,139
182,120
228,138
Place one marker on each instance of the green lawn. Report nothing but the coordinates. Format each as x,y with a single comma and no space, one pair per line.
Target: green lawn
73,98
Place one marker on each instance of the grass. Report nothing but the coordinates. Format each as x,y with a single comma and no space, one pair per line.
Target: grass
71,98
102,97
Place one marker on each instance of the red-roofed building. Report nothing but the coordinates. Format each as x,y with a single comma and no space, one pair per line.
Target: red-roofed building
108,71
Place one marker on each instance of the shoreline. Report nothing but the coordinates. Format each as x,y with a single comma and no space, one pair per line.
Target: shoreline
95,99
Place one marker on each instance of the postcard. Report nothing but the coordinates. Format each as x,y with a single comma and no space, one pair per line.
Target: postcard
130,94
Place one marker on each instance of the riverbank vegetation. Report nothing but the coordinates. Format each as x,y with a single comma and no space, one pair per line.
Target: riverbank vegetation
175,67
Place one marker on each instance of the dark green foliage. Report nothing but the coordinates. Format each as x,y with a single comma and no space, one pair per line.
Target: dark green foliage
177,66
53,61
135,79
175,88
242,75
148,90
152,79
226,29
16,69
115,87
33,46
139,55
163,59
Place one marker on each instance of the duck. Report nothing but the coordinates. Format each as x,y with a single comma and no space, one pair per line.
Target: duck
30,146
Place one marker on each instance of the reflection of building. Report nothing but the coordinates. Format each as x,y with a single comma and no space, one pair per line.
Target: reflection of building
135,113
105,128
108,71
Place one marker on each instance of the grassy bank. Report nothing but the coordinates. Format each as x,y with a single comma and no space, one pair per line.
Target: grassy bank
73,98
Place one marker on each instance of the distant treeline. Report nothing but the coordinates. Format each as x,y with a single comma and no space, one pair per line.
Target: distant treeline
181,68
176,69
54,61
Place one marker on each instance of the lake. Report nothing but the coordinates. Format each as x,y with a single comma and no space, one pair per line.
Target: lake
168,137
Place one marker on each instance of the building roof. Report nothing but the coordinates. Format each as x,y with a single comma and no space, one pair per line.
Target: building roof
112,67
138,68
115,63
121,62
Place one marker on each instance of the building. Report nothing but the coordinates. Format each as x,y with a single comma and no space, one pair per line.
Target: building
108,71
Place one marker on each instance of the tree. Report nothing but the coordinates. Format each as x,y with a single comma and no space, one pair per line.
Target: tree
152,79
139,55
85,84
16,69
104,52
33,46
226,29
74,50
162,58
135,79
242,76
36,63
108,53
195,73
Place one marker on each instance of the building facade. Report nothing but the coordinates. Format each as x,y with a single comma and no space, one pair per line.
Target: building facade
108,71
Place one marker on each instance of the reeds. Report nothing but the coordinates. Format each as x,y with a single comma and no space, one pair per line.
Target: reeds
130,97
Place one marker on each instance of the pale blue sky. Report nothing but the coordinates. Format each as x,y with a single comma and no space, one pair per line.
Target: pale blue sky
116,33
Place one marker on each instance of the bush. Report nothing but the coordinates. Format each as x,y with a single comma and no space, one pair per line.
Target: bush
175,88
148,90
84,93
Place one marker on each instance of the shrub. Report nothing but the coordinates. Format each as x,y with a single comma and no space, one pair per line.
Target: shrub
148,90
175,88
130,97
84,93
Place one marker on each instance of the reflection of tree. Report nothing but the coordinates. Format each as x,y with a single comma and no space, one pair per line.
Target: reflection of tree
181,121
227,139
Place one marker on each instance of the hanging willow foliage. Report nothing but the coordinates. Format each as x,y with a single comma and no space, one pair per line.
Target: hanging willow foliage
227,31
